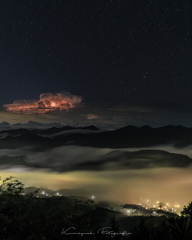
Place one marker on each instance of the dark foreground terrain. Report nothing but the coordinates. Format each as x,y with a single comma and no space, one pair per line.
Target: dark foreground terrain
26,216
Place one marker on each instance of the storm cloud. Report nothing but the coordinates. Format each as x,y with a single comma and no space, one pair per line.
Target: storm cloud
47,102
76,112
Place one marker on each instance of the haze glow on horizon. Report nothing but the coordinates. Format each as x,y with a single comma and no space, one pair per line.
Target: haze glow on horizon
128,186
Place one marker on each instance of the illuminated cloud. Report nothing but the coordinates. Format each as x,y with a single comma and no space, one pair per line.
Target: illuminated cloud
47,102
109,183
92,116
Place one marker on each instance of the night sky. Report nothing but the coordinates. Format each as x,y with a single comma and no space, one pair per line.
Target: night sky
108,63
135,53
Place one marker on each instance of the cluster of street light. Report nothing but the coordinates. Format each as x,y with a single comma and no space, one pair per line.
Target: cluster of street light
162,206
43,193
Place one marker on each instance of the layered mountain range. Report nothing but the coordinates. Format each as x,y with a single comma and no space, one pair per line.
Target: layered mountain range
129,136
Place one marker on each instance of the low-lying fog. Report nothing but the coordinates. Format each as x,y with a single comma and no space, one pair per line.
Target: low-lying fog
109,174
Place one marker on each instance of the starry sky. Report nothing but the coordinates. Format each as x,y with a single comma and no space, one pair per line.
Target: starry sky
110,63
117,52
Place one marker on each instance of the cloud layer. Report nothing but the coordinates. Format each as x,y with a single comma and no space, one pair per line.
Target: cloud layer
106,173
70,110
47,102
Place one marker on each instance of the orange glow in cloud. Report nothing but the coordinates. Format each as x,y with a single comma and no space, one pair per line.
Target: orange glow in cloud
92,116
47,102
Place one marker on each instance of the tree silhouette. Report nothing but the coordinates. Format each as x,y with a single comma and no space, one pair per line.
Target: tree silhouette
187,211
